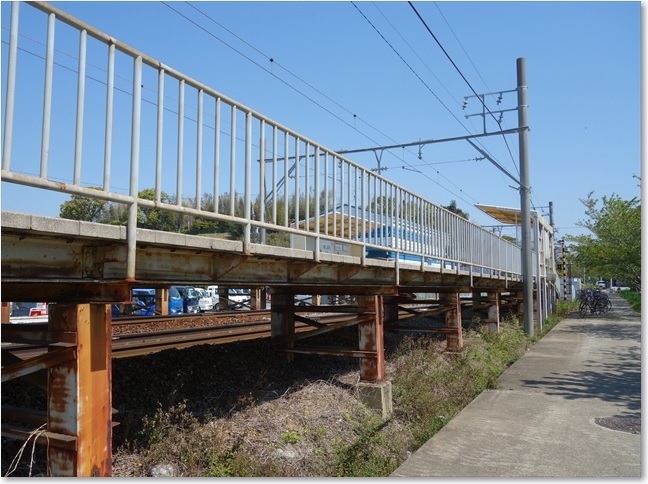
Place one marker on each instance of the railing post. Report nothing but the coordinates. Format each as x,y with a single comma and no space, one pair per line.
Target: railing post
131,232
11,87
247,228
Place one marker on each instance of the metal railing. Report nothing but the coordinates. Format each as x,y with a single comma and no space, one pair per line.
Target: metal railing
126,116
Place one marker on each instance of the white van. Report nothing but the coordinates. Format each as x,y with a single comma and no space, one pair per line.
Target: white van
239,298
212,292
205,302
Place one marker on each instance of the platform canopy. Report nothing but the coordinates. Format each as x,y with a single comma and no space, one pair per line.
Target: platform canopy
512,216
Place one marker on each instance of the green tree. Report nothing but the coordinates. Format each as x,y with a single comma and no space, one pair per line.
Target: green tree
155,218
83,208
454,209
614,248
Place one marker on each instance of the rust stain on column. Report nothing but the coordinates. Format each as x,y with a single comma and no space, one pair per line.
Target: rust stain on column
372,339
80,393
454,338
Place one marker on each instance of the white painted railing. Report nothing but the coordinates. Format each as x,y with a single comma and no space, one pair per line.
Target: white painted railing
115,114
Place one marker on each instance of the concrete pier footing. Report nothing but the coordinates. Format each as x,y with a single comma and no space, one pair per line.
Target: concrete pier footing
377,395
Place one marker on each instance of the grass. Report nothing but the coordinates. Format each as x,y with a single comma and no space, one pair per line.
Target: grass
633,297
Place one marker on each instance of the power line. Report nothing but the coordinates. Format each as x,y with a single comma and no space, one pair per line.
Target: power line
436,4
460,73
269,71
415,53
274,62
427,87
406,63
297,77
285,69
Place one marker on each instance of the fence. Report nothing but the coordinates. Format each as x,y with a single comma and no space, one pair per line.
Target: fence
110,114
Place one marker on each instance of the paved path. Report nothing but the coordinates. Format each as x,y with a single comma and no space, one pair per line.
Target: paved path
567,408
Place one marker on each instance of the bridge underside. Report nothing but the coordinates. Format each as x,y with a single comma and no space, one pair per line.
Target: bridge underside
79,266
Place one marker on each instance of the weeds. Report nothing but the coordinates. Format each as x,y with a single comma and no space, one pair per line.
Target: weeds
431,386
294,425
633,297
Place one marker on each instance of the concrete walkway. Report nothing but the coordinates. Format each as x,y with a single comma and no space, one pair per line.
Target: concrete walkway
570,407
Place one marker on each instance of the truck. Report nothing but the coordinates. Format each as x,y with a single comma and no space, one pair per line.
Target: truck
143,303
212,292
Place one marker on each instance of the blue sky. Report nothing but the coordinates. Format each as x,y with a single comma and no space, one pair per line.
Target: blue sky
365,74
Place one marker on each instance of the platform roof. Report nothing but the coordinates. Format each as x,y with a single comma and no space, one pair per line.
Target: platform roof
505,215
513,216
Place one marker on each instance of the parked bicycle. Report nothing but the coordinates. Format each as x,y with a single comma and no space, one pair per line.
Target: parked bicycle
594,303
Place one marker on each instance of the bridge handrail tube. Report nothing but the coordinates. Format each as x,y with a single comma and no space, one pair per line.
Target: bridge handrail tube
11,87
180,147
217,145
78,138
47,96
199,143
110,89
159,136
248,183
262,172
131,230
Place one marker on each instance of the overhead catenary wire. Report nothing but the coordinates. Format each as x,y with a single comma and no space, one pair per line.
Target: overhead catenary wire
273,61
462,76
490,157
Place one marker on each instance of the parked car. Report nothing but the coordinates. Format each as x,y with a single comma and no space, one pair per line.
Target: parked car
238,298
204,300
22,308
143,303
212,291
303,300
176,303
189,299
114,311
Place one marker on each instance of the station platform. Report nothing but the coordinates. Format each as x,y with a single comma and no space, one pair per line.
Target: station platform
570,407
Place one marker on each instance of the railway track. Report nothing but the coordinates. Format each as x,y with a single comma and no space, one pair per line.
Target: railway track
216,317
137,336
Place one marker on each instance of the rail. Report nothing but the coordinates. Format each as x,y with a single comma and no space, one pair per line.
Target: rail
125,115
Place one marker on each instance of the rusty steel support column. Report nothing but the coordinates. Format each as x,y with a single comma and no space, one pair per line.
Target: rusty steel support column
477,299
79,398
6,313
162,301
371,337
223,303
282,322
494,311
519,311
454,338
255,298
390,309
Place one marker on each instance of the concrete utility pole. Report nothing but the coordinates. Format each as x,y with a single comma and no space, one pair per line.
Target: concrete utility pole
523,182
525,197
